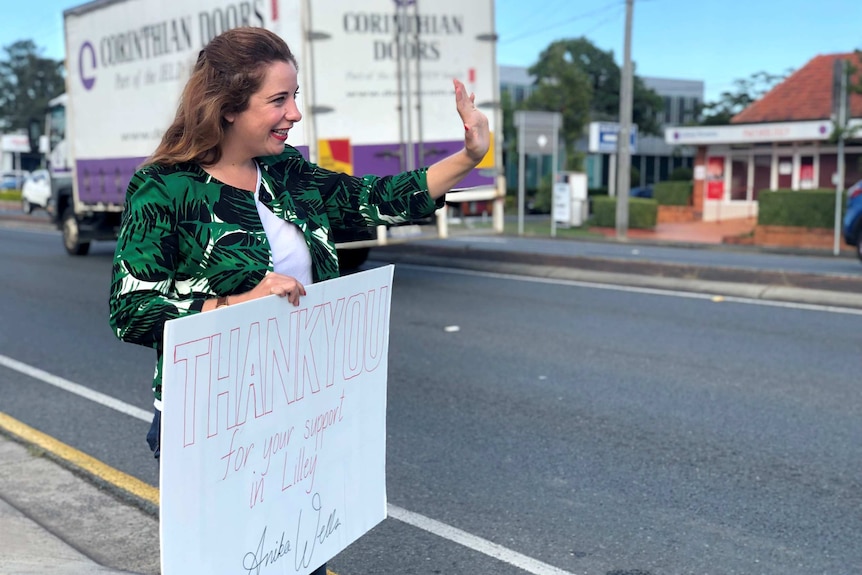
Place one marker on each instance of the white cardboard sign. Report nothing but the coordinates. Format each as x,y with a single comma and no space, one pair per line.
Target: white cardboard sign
273,429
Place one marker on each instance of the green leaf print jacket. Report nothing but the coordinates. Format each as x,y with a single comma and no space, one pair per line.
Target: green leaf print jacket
186,237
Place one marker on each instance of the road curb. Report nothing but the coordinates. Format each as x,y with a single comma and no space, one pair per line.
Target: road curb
768,286
93,516
122,485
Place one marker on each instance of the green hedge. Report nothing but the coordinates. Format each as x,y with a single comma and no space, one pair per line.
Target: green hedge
802,208
642,212
672,193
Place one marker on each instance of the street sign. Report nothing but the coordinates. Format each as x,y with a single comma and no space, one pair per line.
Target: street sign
603,138
562,206
15,143
539,130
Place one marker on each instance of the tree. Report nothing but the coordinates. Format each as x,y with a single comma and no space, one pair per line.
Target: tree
746,92
582,82
854,86
27,83
562,86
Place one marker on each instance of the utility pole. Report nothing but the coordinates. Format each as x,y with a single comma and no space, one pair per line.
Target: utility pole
624,156
839,107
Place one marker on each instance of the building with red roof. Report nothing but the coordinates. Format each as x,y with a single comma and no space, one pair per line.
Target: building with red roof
781,141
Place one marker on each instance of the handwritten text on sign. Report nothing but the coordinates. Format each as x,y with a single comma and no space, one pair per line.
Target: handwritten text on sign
273,429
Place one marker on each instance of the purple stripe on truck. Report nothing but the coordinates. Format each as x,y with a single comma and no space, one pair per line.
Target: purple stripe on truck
105,180
385,159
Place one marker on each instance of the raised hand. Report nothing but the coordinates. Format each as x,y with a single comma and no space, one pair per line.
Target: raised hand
477,136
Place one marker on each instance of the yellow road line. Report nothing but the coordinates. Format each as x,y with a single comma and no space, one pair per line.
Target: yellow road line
81,460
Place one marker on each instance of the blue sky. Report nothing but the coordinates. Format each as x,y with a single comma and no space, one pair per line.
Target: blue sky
717,41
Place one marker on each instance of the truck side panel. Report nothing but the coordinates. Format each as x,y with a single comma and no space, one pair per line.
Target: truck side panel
375,80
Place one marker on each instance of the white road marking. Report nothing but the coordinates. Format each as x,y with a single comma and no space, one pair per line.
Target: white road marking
76,388
475,543
635,289
443,530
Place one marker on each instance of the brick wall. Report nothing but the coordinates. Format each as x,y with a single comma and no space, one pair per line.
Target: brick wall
677,214
797,237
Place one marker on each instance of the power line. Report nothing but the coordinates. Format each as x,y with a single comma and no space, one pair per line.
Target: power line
612,5
543,13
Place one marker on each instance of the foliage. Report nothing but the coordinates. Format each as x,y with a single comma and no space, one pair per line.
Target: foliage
854,86
681,174
643,212
510,131
745,93
673,193
27,83
544,199
804,208
562,86
582,82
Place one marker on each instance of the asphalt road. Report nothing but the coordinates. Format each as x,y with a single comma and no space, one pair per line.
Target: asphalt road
638,251
594,429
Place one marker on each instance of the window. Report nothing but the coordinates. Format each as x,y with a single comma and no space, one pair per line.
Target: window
785,172
852,168
57,125
739,179
762,175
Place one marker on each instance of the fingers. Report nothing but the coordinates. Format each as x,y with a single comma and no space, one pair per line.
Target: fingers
476,135
284,286
463,102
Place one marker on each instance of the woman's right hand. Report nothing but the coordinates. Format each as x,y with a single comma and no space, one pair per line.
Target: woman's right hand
276,284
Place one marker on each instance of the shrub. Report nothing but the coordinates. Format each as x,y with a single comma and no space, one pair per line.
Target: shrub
544,200
672,193
642,212
681,174
802,208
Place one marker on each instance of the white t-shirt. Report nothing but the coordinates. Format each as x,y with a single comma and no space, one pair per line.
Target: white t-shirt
290,254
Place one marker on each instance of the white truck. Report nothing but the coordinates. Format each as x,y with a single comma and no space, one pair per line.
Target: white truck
375,81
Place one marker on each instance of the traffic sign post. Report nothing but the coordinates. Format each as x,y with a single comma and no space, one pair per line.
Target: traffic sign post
602,139
536,130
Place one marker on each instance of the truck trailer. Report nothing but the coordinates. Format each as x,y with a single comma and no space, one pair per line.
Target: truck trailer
376,95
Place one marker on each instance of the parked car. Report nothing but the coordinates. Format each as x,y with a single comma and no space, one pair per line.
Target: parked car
853,218
12,180
641,192
36,191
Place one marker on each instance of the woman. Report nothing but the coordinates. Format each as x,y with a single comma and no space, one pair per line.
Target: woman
225,212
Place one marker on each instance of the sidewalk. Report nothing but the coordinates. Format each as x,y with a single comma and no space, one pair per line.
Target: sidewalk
55,521
699,232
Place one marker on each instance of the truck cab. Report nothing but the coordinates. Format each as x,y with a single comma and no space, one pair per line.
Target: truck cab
80,221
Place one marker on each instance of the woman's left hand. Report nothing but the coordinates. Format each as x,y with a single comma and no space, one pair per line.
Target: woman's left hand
477,136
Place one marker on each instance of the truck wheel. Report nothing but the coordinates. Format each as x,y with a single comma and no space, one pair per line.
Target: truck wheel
72,235
349,259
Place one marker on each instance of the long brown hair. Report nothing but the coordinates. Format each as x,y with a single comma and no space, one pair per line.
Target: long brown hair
228,71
